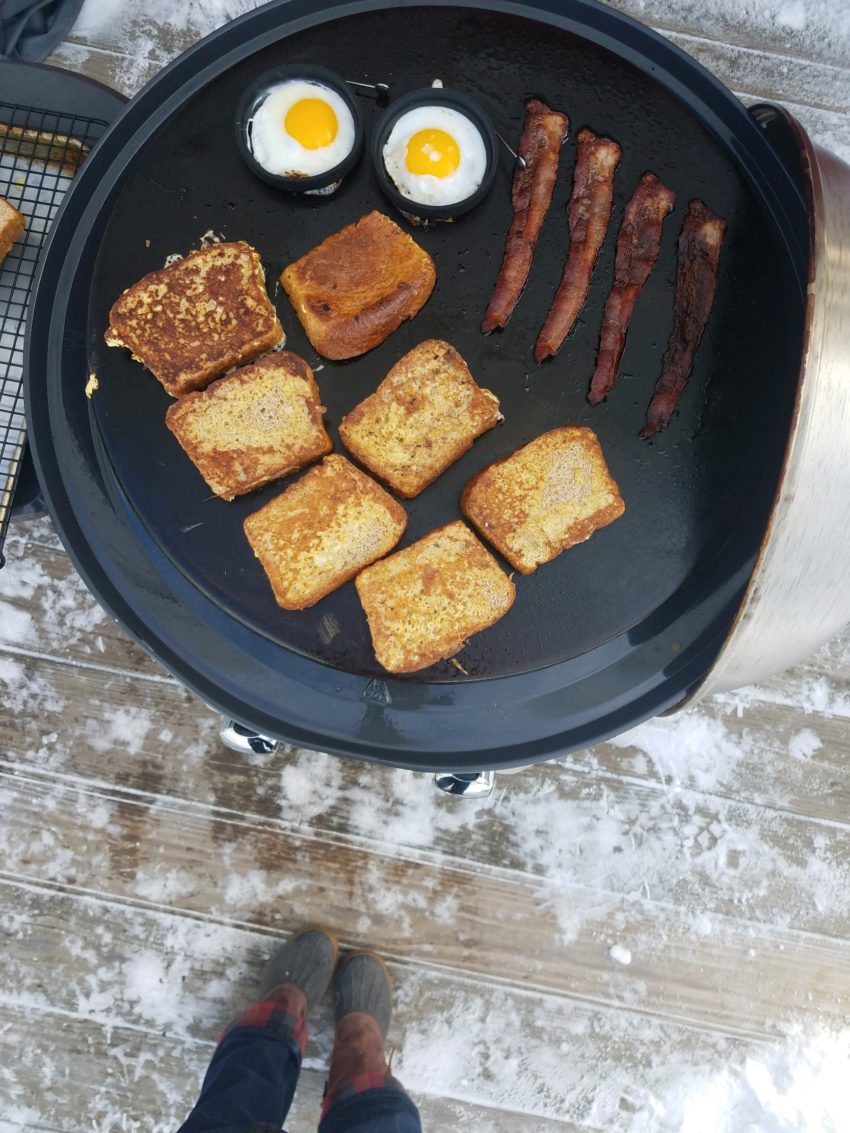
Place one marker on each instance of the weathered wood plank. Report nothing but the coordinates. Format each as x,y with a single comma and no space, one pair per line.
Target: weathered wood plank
449,914
818,32
107,1078
198,974
124,71
36,529
742,749
141,946
805,65
46,609
769,75
69,1074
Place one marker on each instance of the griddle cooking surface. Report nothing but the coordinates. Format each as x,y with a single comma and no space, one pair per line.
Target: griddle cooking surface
688,493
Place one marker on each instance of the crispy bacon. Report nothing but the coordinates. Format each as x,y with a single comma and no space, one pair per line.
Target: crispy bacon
540,143
637,250
696,282
588,212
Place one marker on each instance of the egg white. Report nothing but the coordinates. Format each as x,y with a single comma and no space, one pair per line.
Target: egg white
424,188
280,153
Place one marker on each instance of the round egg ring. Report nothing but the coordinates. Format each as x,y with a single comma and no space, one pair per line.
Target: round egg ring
323,183
418,212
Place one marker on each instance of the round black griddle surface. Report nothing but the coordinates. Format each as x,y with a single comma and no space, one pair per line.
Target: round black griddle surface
613,631
687,494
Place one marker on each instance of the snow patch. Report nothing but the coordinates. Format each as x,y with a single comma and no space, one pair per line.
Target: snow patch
804,744
796,1086
163,886
125,728
792,15
688,748
619,954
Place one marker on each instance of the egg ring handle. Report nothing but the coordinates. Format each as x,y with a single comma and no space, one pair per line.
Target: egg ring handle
519,161
381,90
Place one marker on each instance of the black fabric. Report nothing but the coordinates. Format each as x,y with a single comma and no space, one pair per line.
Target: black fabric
30,29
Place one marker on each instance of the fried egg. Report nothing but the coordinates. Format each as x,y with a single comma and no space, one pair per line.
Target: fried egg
435,155
301,129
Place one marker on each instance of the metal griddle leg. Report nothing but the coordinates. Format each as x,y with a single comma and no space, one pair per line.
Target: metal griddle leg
472,785
239,738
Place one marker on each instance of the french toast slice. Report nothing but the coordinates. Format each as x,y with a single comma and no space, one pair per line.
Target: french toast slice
12,225
322,530
422,603
424,416
191,321
257,424
547,496
356,287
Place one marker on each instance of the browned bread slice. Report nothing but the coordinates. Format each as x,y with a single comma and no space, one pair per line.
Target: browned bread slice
320,532
358,285
11,226
259,423
423,417
547,496
422,603
198,317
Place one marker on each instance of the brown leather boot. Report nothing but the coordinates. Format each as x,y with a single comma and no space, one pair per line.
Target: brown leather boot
362,1002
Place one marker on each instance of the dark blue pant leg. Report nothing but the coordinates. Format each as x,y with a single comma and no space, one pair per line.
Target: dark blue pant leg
251,1079
368,1106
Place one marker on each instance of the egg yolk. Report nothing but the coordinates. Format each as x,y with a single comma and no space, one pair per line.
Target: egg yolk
312,122
434,152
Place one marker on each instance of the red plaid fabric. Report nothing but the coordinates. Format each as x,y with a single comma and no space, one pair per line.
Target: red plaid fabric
272,1016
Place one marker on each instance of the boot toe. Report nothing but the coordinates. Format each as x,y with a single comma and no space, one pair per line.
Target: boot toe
307,960
363,985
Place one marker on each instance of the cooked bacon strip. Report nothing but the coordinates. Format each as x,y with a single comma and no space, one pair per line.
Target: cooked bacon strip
540,144
589,211
696,281
637,250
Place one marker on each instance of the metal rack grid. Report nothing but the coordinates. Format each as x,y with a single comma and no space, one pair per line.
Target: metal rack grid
40,151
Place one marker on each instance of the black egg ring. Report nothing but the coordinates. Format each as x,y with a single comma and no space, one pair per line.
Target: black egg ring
253,98
433,96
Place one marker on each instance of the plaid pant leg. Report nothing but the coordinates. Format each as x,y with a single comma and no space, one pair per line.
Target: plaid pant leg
251,1079
371,1103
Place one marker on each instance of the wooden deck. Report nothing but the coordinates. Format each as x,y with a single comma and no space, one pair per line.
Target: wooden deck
653,934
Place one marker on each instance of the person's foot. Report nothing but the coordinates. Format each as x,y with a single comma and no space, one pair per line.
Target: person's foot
363,985
362,1003
301,970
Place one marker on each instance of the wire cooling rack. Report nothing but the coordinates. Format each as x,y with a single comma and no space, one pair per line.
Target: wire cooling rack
40,151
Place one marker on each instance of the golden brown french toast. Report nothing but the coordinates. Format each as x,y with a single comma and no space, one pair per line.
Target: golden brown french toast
259,423
423,417
322,530
12,225
547,496
422,603
191,321
356,287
